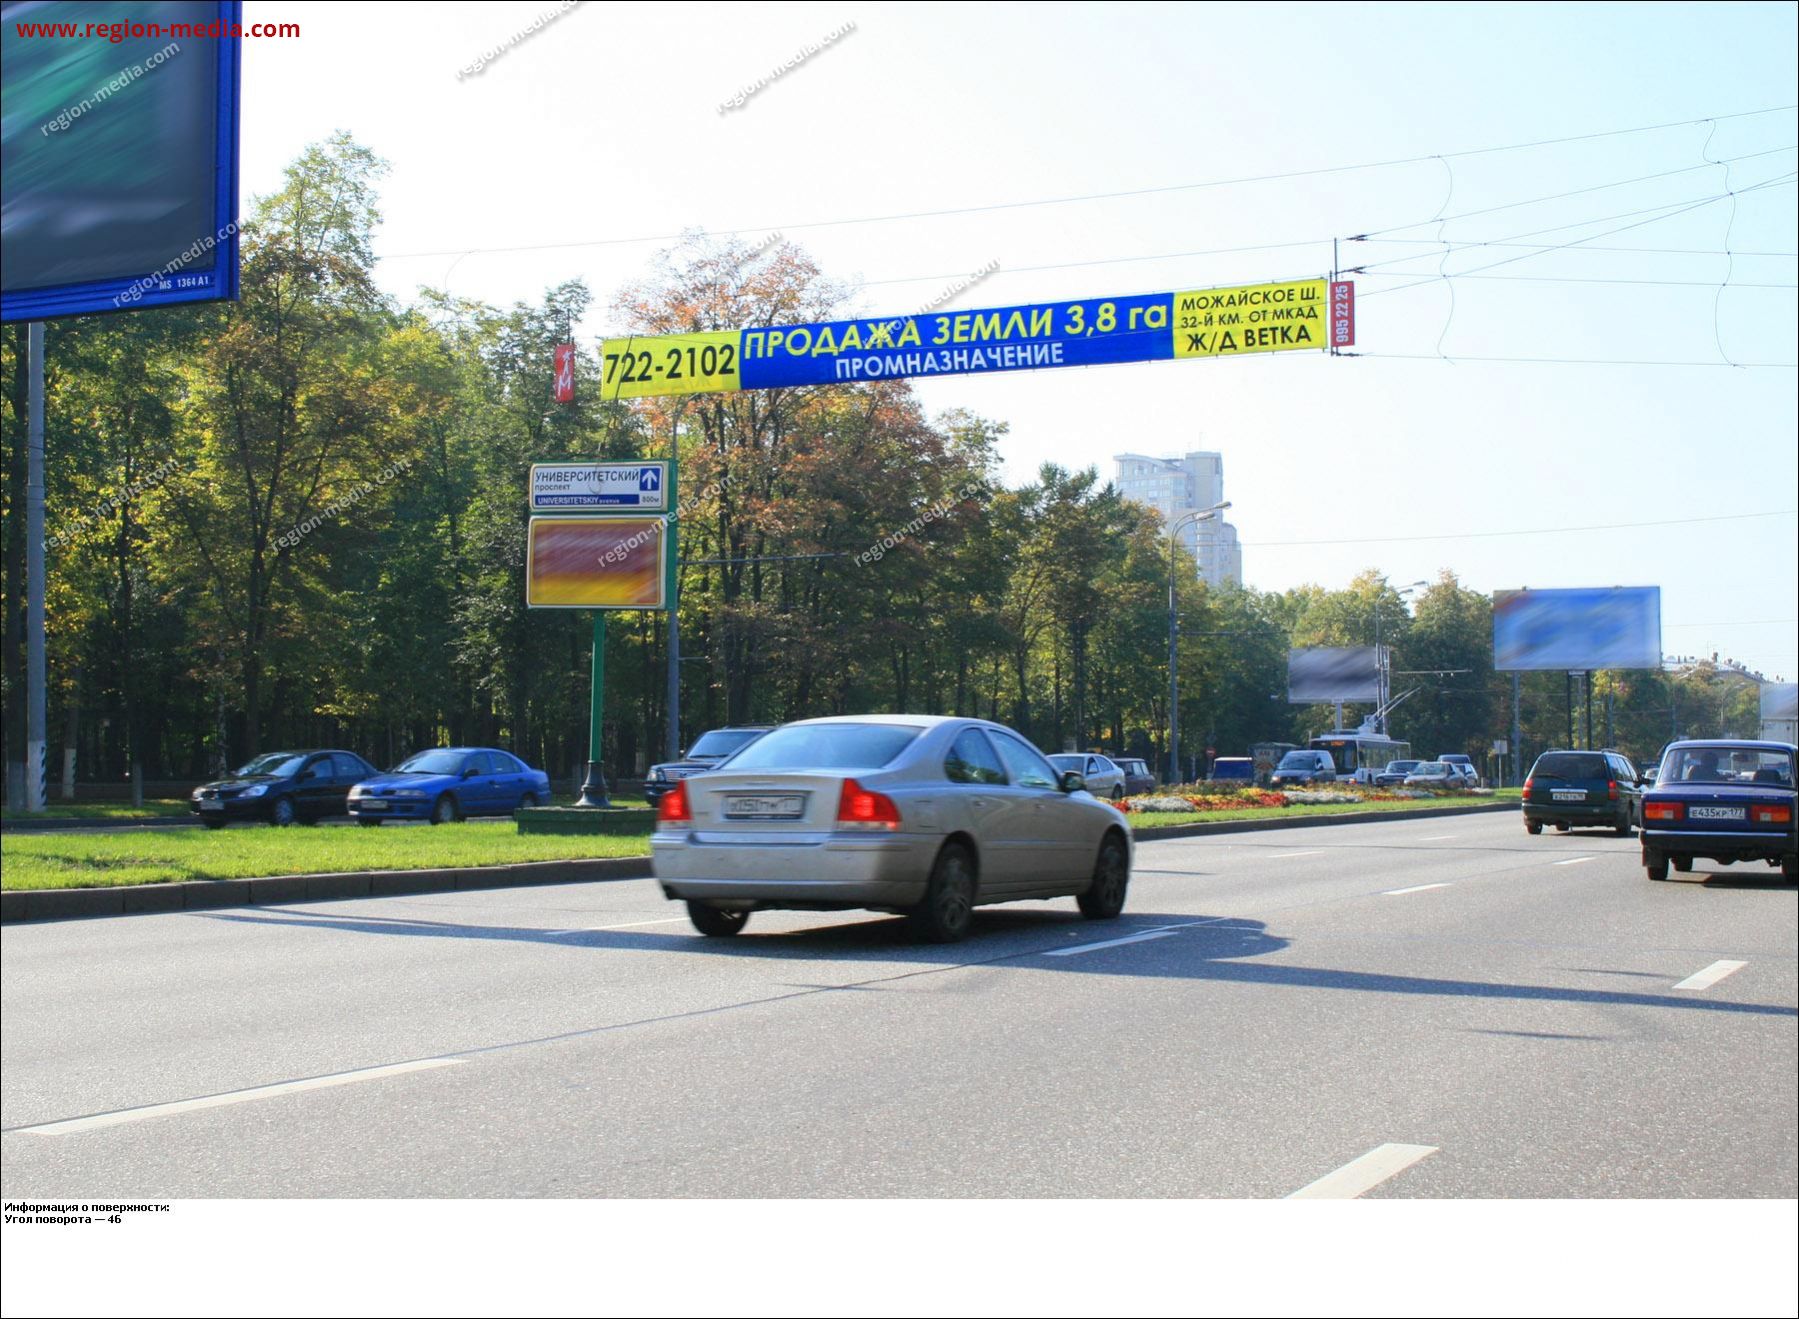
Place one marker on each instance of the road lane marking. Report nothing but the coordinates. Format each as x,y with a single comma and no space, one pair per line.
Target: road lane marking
1416,888
1438,838
72,1125
1110,943
1361,1175
1571,861
628,925
1282,856
1711,975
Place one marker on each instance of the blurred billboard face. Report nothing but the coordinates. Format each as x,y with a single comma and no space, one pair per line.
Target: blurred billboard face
116,164
1325,674
1780,700
1600,628
596,563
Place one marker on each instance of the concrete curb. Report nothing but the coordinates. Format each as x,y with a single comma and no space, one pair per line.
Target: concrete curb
29,826
202,895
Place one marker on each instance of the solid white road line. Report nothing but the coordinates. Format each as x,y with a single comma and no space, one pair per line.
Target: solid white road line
1110,943
1282,856
1359,1176
1416,888
1572,861
1438,838
1711,975
98,1120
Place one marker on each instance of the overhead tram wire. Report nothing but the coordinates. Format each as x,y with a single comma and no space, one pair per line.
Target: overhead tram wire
1086,197
1576,242
1562,196
1672,209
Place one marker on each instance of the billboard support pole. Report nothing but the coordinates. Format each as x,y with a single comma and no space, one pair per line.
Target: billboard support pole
1517,736
593,791
1568,696
1586,682
34,573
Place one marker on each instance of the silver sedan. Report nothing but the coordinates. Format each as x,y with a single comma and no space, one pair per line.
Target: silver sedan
922,814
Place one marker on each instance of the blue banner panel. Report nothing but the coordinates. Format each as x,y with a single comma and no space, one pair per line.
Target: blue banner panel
1616,627
118,156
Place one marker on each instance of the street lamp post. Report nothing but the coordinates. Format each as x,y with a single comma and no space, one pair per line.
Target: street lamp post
1380,660
1174,634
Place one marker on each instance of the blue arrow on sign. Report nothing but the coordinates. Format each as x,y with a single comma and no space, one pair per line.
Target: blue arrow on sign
649,479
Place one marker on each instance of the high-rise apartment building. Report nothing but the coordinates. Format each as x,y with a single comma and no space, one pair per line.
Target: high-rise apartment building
1178,486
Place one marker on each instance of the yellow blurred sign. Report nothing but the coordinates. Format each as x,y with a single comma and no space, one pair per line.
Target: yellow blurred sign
597,563
1252,318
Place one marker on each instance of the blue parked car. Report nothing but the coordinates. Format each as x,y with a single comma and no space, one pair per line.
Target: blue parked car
1723,801
450,783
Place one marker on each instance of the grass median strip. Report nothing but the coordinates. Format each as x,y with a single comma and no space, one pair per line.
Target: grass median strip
101,810
95,860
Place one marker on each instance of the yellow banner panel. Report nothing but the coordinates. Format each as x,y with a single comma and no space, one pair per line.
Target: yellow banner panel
1253,318
671,364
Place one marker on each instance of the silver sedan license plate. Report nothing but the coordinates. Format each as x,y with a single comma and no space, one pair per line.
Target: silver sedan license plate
763,808
1714,812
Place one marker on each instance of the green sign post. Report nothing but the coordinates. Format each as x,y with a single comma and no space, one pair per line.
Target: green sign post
616,551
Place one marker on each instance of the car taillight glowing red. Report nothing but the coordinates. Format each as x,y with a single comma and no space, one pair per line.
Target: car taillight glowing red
673,808
1611,789
1663,810
1773,814
1527,783
859,808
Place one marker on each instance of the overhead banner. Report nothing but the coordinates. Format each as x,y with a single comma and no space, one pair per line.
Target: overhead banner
1616,627
597,563
1226,322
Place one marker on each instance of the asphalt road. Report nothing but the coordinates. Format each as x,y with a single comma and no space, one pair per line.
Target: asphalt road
1424,1008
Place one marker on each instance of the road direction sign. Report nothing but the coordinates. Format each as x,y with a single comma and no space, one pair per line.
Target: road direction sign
639,487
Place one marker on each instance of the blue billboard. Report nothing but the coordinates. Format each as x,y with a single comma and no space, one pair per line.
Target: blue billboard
1617,627
118,156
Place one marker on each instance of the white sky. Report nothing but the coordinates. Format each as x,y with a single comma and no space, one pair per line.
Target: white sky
605,125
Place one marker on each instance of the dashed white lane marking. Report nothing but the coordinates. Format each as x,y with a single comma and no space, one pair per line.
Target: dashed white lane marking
628,925
1282,856
1110,943
1572,861
1438,838
1361,1175
1416,888
72,1125
1711,975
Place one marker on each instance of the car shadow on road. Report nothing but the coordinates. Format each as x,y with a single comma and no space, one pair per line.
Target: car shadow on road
1155,946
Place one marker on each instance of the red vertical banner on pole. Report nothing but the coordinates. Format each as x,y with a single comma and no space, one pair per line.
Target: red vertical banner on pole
565,373
1343,313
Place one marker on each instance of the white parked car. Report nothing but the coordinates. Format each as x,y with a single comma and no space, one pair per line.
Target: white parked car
927,815
1101,777
1434,774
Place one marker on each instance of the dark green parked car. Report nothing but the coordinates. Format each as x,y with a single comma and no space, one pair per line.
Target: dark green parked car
1583,790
